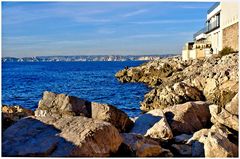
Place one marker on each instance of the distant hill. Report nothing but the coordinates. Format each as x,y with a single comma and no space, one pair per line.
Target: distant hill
86,58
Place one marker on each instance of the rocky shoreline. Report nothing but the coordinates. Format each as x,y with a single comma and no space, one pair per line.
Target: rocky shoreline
191,111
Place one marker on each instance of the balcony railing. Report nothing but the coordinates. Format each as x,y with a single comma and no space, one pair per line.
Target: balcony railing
203,30
211,26
213,7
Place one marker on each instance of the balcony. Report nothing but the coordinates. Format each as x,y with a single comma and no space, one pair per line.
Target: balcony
215,5
202,31
212,26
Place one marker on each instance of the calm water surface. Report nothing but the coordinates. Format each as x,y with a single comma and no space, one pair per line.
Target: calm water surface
23,83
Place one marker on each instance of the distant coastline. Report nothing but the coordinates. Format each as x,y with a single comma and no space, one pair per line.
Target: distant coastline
86,58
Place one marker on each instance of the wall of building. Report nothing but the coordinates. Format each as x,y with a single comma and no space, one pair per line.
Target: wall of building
200,54
192,54
215,37
231,36
229,22
229,13
185,54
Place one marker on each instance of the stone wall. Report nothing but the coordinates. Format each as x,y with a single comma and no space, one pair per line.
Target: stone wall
230,36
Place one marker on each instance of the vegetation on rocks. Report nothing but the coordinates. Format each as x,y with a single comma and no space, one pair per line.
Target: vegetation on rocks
225,51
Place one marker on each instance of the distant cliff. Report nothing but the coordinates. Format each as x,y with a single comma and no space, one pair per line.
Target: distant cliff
85,58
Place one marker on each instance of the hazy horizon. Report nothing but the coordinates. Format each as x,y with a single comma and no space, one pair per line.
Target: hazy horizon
31,29
90,55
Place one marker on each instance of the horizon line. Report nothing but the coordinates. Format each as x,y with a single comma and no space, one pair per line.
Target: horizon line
89,55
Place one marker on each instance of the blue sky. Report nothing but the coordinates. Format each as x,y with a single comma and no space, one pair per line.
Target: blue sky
91,28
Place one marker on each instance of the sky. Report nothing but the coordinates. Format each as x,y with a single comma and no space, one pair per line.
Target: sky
99,28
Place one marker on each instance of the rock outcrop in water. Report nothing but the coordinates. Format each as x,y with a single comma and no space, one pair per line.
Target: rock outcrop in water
199,99
192,111
175,81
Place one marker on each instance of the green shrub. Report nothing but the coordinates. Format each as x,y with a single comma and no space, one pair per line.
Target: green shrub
226,51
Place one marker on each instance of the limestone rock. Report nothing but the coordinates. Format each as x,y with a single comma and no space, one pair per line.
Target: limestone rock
202,136
112,115
188,117
68,136
139,146
11,114
213,79
53,106
232,107
220,115
167,96
62,105
153,124
217,145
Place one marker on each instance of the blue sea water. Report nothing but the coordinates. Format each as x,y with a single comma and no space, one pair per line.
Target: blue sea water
24,82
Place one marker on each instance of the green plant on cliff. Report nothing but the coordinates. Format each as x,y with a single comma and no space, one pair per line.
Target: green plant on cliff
226,51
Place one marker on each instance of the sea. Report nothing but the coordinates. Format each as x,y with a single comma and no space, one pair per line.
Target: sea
23,83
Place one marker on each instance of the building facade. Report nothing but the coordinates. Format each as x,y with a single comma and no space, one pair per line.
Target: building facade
221,30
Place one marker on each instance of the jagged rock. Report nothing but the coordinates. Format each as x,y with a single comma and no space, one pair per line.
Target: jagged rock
139,146
188,117
220,115
170,95
232,107
68,136
202,134
153,124
58,105
217,145
112,115
62,105
183,138
200,137
182,150
11,114
216,79
151,72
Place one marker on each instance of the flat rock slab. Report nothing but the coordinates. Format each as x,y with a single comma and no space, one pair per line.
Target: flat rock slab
68,136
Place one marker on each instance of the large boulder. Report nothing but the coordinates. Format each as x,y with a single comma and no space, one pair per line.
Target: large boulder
153,124
139,146
188,117
60,105
222,116
217,145
11,114
68,136
202,145
112,115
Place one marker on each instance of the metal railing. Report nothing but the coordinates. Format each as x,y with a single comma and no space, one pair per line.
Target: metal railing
213,7
211,26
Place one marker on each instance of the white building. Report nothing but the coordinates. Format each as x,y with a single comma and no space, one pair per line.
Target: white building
221,30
